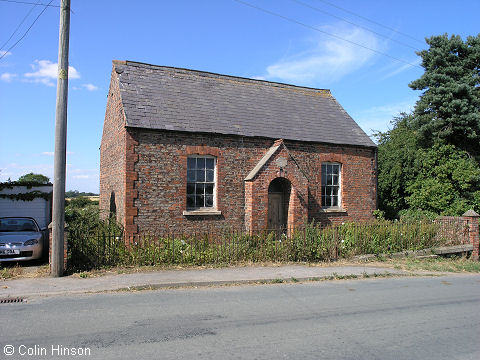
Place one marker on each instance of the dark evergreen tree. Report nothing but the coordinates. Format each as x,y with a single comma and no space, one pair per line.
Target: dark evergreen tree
448,110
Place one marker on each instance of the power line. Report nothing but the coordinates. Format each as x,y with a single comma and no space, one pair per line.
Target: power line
26,32
370,20
325,32
354,24
28,3
18,27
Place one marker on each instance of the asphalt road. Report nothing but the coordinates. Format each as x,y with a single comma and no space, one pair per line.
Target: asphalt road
390,318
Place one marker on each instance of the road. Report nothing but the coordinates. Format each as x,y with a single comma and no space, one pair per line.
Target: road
389,318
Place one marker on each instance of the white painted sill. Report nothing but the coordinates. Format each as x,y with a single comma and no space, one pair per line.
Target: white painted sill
201,212
333,210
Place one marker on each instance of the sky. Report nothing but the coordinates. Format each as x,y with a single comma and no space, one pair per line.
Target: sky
364,51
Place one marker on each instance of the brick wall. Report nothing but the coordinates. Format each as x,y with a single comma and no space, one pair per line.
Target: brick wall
156,189
461,230
113,155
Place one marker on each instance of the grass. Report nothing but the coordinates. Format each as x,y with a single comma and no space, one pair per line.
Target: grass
441,265
20,270
10,272
453,264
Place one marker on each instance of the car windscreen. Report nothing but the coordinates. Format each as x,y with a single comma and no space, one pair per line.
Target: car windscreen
17,224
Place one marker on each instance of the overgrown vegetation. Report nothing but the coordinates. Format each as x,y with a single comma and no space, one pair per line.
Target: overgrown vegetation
95,243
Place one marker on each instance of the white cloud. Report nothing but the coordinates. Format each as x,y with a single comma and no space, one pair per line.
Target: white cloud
81,177
51,153
328,59
7,77
46,72
4,53
404,67
90,87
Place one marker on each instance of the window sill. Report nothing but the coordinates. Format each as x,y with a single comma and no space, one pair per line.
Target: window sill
333,210
201,212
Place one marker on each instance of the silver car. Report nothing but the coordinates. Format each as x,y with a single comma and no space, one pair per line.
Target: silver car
21,239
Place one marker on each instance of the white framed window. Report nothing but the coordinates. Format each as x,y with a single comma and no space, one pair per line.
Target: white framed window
201,179
331,189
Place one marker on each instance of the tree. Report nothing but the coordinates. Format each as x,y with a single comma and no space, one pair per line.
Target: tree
448,110
446,182
34,178
397,150
429,160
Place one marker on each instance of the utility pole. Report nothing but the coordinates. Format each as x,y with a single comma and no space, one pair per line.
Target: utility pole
60,155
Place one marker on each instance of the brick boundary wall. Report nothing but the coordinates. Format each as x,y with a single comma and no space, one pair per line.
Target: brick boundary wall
455,229
465,228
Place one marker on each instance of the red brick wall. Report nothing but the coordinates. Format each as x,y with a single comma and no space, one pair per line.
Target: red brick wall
157,187
112,154
460,230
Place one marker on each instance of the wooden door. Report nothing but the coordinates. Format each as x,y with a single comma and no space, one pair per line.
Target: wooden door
276,213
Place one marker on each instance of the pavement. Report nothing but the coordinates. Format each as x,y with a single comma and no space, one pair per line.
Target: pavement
68,285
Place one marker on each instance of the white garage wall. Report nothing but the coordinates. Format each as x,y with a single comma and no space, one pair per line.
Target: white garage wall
38,208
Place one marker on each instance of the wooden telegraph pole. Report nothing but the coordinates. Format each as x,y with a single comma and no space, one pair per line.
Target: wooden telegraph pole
58,211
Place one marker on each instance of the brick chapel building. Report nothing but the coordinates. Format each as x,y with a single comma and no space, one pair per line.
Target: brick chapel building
189,150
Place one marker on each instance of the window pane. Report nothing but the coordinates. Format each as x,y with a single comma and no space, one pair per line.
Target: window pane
335,201
335,179
190,189
200,163
328,201
199,201
329,180
190,175
209,163
335,191
335,169
191,163
209,189
209,175
200,189
190,201
324,176
209,201
329,169
200,175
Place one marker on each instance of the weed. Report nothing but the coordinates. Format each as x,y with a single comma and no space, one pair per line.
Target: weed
10,272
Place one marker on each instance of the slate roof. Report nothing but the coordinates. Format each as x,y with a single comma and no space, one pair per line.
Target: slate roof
167,98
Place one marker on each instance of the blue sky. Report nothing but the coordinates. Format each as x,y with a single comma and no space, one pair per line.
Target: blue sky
222,36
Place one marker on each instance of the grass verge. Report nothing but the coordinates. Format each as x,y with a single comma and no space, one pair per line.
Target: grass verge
452,264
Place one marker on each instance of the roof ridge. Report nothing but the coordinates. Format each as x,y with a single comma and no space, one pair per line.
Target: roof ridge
210,73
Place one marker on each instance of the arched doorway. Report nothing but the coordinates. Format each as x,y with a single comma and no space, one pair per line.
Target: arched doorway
278,199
